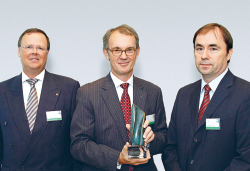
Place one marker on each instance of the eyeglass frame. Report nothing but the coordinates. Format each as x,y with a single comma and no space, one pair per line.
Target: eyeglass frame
112,50
32,47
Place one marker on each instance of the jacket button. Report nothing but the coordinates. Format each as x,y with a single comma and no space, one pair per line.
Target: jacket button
43,167
54,147
22,167
192,162
195,140
11,146
5,123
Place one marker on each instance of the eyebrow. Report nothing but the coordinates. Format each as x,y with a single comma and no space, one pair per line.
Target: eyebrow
198,44
211,45
121,48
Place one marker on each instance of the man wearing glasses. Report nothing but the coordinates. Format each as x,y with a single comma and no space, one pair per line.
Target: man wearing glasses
99,131
36,108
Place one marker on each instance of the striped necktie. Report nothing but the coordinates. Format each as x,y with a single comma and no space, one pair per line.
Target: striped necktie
205,102
32,104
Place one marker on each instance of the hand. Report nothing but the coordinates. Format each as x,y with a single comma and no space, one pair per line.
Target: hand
148,134
123,157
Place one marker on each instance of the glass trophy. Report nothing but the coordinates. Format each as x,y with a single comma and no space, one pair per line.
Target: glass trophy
136,148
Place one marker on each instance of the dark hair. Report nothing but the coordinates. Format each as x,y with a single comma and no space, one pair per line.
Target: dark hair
33,30
212,26
124,29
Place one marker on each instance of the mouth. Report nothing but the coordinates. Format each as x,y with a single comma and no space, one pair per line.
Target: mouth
205,65
123,63
33,59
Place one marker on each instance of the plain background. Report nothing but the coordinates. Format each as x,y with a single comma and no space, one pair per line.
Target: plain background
165,28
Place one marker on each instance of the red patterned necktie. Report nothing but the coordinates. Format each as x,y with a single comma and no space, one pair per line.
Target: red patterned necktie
126,109
204,103
126,105
32,104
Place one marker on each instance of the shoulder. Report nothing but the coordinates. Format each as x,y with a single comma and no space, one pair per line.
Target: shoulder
61,80
8,83
241,83
240,88
188,89
145,84
95,85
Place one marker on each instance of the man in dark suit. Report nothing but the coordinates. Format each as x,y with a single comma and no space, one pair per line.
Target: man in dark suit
36,108
98,129
209,128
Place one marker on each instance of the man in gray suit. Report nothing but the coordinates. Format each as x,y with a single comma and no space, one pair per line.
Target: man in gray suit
99,136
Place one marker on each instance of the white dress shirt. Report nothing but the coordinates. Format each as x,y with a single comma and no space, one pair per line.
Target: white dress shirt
119,91
118,88
213,85
26,86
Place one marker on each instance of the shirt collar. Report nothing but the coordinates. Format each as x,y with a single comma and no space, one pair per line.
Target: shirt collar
40,77
118,82
215,82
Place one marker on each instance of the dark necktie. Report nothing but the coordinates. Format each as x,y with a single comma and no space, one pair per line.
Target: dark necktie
32,104
205,102
126,109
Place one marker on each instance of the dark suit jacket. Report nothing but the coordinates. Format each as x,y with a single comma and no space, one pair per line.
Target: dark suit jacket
98,131
191,147
48,148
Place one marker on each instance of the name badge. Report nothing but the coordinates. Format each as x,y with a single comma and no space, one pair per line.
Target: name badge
151,119
54,115
213,124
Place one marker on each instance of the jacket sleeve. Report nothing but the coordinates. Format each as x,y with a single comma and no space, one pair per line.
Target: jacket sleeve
160,127
83,145
170,154
242,159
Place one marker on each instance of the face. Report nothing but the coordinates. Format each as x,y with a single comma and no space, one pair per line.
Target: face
211,54
33,61
121,66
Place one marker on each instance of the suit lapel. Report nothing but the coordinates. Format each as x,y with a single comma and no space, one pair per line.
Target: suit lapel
49,96
219,96
111,100
194,104
139,94
16,103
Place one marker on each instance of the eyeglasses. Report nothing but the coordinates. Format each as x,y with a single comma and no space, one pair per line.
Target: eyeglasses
118,52
30,48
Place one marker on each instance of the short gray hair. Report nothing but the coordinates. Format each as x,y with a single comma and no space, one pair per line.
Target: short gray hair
123,29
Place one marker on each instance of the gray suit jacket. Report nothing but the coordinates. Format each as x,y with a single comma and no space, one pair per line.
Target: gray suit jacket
98,131
48,147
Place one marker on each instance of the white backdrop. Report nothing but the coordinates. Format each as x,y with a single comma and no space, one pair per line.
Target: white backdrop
165,28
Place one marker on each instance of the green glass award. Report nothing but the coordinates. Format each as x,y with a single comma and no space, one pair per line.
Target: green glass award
136,148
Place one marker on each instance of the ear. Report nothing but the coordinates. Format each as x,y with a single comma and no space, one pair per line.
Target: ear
105,52
18,49
229,54
137,52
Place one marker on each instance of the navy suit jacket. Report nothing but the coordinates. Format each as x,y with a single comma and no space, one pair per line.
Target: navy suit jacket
191,147
98,130
48,147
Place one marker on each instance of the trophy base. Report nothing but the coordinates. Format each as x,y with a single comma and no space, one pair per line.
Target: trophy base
136,151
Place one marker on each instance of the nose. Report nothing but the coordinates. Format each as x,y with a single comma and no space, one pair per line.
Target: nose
123,55
205,54
34,50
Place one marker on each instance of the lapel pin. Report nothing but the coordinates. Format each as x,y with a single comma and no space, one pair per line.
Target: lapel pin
56,94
